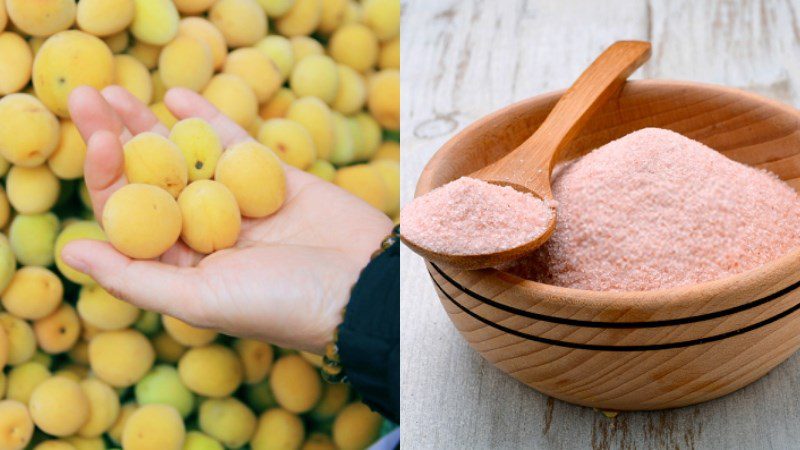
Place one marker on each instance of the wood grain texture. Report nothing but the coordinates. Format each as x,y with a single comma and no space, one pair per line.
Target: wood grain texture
464,59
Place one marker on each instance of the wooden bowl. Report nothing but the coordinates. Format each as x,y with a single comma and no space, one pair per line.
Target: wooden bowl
632,350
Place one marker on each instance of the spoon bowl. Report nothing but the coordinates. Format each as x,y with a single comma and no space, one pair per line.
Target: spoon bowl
527,168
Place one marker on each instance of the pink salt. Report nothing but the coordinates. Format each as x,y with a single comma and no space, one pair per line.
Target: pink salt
655,210
469,216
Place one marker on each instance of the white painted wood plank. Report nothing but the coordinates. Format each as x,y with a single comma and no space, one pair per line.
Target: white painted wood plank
465,58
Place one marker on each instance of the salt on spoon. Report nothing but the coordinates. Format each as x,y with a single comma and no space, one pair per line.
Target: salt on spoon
506,209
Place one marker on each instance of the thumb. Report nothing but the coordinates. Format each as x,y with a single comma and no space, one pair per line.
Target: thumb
151,285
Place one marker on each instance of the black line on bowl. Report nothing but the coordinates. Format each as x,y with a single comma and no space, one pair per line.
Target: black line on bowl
599,324
619,348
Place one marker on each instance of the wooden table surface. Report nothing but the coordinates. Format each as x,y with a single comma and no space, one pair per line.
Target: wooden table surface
465,58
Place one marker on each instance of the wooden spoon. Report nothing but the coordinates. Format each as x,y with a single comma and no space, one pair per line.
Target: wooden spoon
528,167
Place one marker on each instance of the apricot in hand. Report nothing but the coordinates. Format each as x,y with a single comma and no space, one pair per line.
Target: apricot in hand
200,145
255,177
142,221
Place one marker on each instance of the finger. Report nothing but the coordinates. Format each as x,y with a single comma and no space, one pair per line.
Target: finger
91,113
150,285
136,116
184,103
104,171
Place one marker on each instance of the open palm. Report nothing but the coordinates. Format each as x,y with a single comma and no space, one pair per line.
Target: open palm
289,275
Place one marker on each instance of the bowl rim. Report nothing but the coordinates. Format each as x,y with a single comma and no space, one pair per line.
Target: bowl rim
760,280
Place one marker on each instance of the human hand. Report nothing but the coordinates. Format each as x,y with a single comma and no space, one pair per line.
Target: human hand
287,279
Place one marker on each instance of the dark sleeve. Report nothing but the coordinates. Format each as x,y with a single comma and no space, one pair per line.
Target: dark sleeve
369,337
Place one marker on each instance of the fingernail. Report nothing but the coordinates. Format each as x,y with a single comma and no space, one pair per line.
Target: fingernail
76,263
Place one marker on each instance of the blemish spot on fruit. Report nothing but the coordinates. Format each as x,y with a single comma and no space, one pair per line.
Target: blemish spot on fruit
61,80
198,165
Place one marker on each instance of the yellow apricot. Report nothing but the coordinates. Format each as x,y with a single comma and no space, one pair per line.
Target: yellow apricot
234,97
352,91
32,190
303,46
28,130
256,357
186,334
34,292
15,72
344,144
4,347
104,311
125,412
200,145
43,17
383,16
316,117
389,57
228,420
59,331
277,106
193,6
211,217
315,75
142,221
356,427
387,150
32,238
290,141
47,406
159,90
163,385
255,177
103,408
333,12
104,17
277,429
149,323
67,160
242,22
110,356
383,98
276,8
279,50
390,174
67,60
186,62
16,425
118,42
256,69
334,398
21,340
153,427
204,31
164,114
155,21
354,45
296,384
371,135
211,371
167,348
364,181
323,169
147,54
24,379
84,229
131,74
153,159
302,19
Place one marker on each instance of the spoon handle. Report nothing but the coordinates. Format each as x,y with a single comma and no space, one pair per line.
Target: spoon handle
531,163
